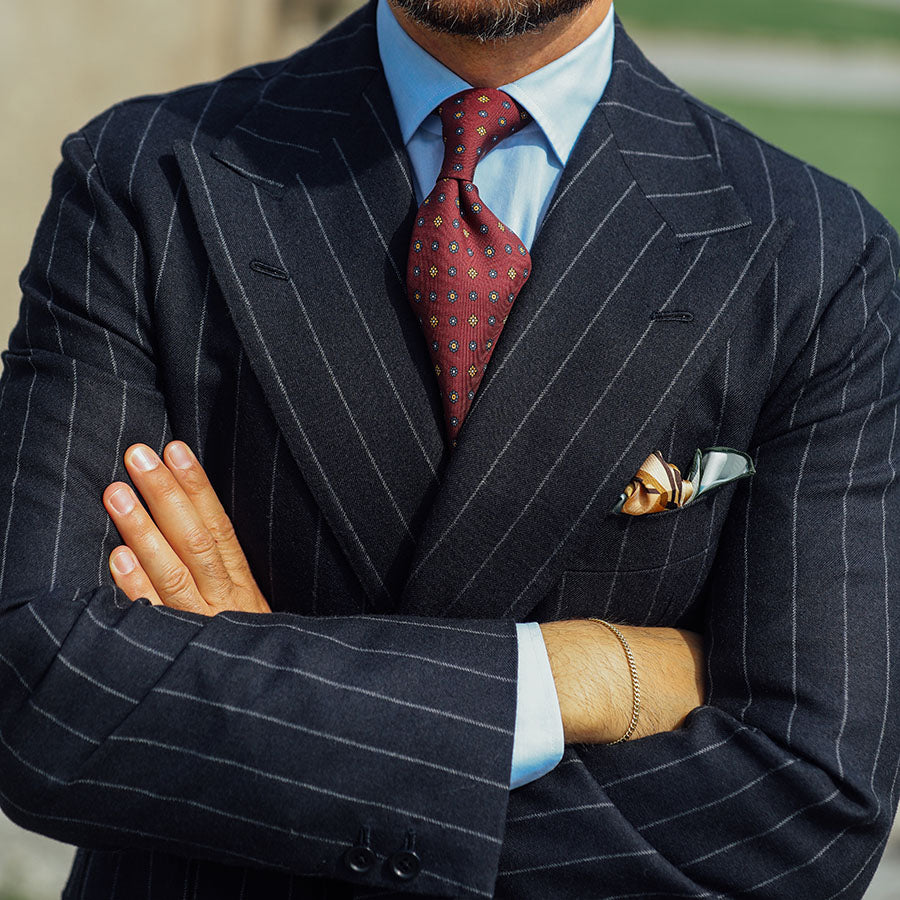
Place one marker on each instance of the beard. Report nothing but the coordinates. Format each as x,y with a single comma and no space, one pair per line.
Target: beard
488,20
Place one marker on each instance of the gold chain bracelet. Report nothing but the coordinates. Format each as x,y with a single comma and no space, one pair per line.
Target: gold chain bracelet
635,684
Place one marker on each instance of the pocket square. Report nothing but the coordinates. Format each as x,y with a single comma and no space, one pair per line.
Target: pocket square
659,484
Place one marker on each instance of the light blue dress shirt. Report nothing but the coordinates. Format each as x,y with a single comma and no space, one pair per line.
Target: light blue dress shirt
516,180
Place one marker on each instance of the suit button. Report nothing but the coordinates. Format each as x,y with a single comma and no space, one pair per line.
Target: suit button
404,865
359,860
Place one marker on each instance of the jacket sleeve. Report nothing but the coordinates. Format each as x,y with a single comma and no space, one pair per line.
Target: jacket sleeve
273,741
784,783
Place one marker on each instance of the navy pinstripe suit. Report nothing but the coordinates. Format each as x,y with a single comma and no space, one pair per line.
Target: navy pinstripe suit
224,265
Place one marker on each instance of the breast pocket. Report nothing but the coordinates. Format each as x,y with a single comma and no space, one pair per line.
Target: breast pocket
645,570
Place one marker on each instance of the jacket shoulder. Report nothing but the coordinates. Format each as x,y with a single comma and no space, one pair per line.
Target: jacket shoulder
142,128
773,182
836,232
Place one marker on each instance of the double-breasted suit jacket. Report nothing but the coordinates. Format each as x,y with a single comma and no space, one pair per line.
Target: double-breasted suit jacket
224,265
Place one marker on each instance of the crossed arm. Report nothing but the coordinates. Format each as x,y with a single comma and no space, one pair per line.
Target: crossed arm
184,554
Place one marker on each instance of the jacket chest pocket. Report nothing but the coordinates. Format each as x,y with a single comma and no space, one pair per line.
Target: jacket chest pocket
645,570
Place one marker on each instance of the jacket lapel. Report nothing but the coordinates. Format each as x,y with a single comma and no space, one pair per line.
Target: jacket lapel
306,208
642,267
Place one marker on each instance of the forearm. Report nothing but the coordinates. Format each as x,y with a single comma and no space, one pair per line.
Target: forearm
265,739
594,686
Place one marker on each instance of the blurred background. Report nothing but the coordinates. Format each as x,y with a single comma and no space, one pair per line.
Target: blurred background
820,78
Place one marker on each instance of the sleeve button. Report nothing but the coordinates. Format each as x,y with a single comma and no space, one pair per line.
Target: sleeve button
359,860
404,865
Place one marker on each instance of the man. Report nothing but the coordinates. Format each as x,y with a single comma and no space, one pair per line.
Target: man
227,265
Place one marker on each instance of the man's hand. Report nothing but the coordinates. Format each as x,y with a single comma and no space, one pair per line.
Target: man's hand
187,555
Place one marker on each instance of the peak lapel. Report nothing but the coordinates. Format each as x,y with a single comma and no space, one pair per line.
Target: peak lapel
305,209
585,378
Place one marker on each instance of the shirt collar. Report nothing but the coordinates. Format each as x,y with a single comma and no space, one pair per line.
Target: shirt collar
580,76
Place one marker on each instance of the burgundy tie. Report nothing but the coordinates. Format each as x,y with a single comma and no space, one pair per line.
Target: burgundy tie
465,266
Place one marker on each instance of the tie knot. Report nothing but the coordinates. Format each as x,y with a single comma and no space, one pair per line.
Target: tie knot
474,121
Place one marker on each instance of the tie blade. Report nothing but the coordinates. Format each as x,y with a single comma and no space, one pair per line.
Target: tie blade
460,367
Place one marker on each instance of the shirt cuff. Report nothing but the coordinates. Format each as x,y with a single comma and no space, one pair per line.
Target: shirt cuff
538,738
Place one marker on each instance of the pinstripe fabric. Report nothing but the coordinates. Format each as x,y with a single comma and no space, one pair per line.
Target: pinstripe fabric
239,757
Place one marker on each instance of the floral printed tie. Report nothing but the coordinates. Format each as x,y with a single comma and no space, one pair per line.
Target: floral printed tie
465,266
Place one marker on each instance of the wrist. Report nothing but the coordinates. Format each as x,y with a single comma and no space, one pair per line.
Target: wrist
592,681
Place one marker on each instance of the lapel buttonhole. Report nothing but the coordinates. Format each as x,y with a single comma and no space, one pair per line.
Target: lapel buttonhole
271,271
674,315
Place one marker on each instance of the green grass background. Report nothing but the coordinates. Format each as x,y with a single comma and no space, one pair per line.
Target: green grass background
831,21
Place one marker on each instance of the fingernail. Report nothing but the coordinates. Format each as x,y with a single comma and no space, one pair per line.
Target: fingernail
180,456
122,501
144,459
123,562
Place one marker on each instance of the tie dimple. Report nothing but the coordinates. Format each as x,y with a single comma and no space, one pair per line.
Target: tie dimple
465,267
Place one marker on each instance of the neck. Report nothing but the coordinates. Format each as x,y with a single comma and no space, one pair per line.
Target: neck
493,63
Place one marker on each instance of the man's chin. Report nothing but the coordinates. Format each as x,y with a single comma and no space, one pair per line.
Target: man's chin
488,20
